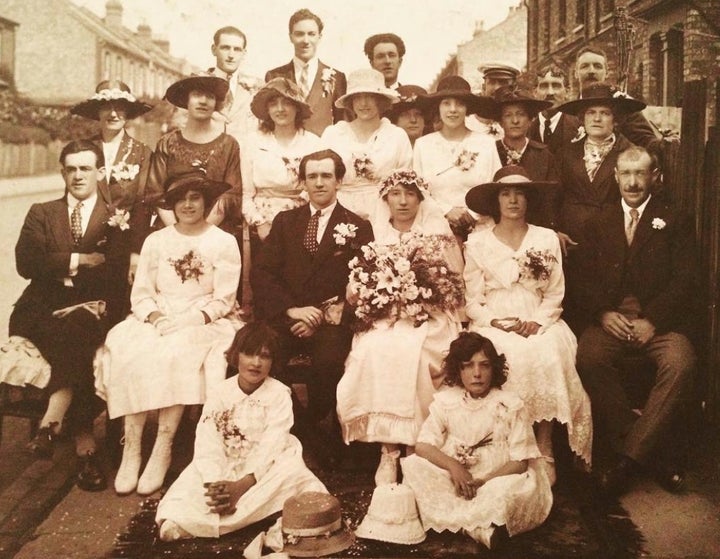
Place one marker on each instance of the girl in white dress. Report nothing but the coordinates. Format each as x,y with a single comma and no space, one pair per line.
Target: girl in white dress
475,467
246,462
454,159
514,291
393,369
370,145
170,350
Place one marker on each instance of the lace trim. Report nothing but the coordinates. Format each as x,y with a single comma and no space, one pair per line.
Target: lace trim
380,427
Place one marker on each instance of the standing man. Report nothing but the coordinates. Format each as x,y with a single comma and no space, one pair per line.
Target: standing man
637,286
321,85
591,68
301,269
62,251
552,127
495,75
385,53
228,48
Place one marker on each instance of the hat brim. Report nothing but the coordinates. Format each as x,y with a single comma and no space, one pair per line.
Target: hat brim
319,546
533,106
178,93
213,189
476,104
91,108
342,102
259,104
483,197
396,109
408,533
621,105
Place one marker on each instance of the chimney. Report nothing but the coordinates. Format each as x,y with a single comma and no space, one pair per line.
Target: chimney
113,13
144,32
163,44
479,27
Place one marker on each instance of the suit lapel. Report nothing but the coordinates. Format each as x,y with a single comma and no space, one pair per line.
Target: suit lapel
327,243
60,223
578,165
316,89
644,228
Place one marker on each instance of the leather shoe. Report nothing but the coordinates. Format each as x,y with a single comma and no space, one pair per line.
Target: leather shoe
671,480
90,476
616,480
42,443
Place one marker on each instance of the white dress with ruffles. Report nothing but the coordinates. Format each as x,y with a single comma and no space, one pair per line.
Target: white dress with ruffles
138,369
240,434
542,366
388,150
457,423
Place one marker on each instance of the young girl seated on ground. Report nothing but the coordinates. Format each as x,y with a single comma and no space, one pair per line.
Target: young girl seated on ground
246,462
475,467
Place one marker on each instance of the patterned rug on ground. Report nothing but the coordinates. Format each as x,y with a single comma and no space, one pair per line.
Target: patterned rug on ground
582,524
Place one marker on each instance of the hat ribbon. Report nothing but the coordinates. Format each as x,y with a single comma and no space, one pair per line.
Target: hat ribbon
317,531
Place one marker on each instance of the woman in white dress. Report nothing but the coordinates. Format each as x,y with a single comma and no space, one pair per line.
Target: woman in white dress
454,159
476,466
393,369
246,462
170,350
370,145
514,291
270,160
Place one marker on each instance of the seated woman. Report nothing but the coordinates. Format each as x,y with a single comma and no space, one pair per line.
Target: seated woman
515,287
409,112
246,462
454,159
169,351
475,467
370,146
271,158
393,368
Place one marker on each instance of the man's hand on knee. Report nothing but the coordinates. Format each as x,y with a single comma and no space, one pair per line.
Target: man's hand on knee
644,331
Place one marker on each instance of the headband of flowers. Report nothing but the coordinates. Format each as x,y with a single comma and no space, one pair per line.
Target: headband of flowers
406,179
114,94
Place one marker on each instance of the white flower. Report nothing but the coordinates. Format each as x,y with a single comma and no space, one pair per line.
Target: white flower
327,80
658,223
343,232
580,135
113,95
120,219
124,171
402,265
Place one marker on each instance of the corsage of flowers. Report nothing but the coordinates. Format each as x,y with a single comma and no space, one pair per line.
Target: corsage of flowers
363,165
464,161
188,267
327,80
658,223
293,167
120,219
114,94
409,279
124,171
536,264
404,178
580,135
494,129
343,232
465,454
226,427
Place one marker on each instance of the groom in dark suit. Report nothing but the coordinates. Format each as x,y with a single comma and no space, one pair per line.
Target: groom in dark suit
321,85
637,285
302,267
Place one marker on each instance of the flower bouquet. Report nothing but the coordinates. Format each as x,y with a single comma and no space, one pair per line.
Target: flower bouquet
409,280
536,265
188,267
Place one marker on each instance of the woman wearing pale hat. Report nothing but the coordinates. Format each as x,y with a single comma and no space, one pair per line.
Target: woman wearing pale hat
370,145
514,290
454,159
409,112
271,158
127,162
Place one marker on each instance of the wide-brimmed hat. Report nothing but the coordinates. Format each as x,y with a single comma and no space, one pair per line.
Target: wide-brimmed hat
511,95
279,87
483,197
178,92
312,526
366,80
458,88
392,516
111,91
602,93
411,97
193,179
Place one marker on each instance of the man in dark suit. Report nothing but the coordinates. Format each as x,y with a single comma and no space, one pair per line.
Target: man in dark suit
321,84
62,251
385,52
301,269
552,127
637,287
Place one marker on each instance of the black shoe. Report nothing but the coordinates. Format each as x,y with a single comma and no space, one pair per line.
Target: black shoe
42,444
499,537
672,480
616,480
90,476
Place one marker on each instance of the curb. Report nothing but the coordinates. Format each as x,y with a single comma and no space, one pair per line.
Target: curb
13,187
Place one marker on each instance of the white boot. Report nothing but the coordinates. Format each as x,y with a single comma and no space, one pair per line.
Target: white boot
126,479
387,470
153,476
482,535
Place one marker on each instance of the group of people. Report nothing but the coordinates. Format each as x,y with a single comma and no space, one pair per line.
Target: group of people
415,247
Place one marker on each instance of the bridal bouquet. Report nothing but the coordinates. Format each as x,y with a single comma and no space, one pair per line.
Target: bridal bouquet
536,265
410,280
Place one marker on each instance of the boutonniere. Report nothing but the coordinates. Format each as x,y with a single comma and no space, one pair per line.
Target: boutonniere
580,135
494,129
120,219
293,167
248,83
190,266
327,79
124,171
658,223
343,232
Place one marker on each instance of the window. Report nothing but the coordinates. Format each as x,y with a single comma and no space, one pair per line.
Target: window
562,17
580,12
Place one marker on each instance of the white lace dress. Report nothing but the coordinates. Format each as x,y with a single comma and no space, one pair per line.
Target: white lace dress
457,423
541,367
240,434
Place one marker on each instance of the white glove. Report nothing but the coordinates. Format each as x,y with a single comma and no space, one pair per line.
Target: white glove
168,325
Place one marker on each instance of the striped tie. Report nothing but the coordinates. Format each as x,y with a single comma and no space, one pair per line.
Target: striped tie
304,86
76,223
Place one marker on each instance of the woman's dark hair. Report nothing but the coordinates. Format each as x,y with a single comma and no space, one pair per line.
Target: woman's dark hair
268,124
251,339
461,351
533,203
174,196
581,114
382,102
434,109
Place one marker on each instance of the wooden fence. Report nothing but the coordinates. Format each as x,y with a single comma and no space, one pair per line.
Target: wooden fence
28,159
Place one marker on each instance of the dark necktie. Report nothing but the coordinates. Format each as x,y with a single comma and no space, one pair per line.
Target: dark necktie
547,132
632,226
76,223
310,239
229,97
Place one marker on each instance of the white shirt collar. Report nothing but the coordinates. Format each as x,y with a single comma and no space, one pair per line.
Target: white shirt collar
88,202
312,66
640,209
394,85
110,151
324,211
